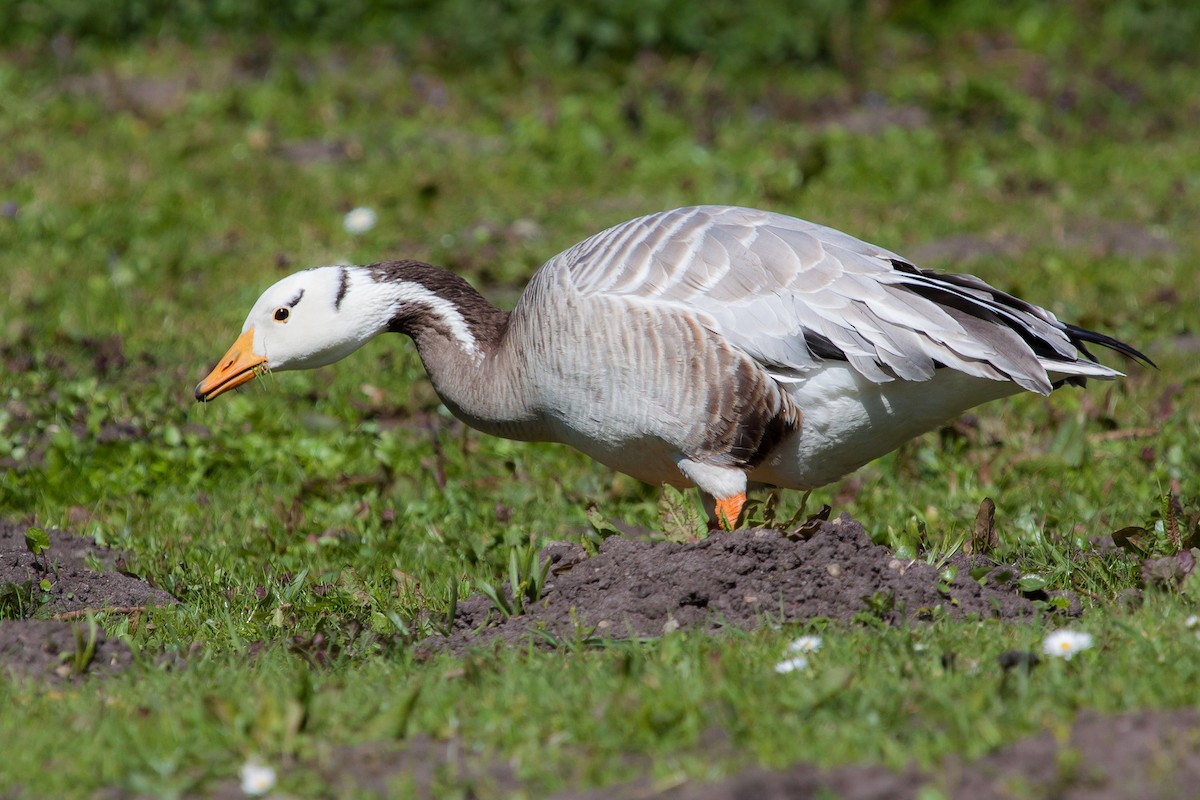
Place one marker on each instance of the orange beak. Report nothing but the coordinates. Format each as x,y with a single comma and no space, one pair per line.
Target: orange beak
235,368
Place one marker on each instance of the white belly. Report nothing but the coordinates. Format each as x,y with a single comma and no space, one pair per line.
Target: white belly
849,420
648,458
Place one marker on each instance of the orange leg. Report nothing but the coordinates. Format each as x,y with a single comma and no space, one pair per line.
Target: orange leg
729,509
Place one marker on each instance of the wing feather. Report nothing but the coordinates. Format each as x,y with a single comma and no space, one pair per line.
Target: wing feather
776,286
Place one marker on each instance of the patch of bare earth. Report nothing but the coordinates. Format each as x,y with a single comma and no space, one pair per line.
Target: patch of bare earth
81,576
638,588
54,650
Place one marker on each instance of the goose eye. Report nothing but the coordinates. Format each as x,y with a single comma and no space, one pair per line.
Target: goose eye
281,314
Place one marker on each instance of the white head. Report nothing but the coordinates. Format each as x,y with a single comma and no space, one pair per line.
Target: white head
320,315
306,320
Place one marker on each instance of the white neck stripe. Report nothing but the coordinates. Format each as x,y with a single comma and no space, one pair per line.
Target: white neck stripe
411,293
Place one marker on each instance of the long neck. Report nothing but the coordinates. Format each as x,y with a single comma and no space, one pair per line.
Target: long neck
460,337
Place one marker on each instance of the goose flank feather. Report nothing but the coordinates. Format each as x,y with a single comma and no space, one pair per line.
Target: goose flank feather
713,346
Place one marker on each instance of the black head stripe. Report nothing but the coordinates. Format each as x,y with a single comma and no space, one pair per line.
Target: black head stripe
296,299
343,287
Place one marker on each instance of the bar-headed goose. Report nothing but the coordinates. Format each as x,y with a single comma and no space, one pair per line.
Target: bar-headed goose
716,347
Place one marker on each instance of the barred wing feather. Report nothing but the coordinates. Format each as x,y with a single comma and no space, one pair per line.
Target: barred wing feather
792,294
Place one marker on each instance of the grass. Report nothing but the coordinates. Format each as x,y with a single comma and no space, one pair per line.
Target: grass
314,524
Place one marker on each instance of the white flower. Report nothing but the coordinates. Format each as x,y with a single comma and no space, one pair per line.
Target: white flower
360,220
1064,644
794,664
257,779
805,644
1191,621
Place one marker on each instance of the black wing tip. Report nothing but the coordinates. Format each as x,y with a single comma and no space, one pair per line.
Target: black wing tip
1080,335
822,346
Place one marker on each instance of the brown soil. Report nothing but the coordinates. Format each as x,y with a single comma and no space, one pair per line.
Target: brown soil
54,650
48,648
68,565
635,588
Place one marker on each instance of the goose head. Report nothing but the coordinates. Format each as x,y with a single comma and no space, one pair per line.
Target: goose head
309,319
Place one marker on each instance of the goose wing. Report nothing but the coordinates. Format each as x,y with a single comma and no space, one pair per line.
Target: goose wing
792,294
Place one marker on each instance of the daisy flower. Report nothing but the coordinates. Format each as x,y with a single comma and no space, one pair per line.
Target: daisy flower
257,779
1064,644
805,644
360,220
794,664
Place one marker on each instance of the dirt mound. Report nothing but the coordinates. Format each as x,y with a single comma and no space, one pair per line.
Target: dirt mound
60,649
74,584
635,588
